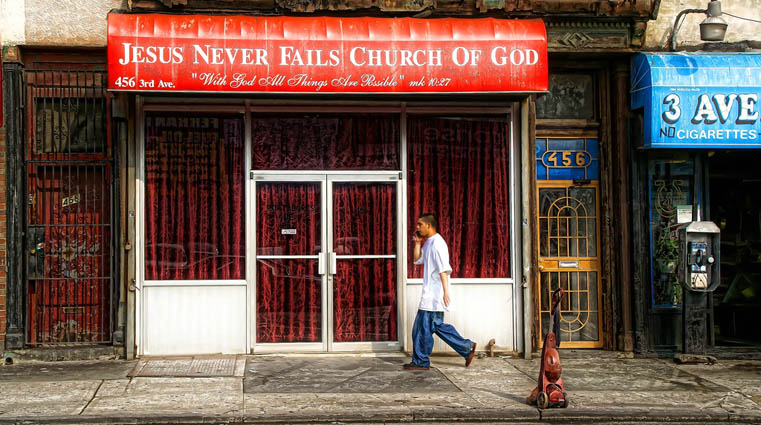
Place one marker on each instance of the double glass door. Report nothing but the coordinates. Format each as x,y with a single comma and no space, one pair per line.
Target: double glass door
326,262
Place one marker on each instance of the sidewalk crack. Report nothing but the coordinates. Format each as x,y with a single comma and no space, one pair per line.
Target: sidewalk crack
95,393
534,377
350,378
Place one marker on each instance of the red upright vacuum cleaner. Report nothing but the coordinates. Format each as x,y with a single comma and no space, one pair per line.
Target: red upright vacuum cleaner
549,391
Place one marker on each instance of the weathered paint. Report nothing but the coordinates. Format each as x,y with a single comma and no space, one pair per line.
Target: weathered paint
13,19
66,22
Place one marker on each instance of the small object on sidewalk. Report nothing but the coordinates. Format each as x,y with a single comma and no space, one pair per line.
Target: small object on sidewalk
694,359
549,391
413,366
490,347
8,358
625,355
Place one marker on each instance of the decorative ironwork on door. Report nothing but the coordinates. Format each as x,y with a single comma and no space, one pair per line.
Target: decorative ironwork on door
69,213
568,238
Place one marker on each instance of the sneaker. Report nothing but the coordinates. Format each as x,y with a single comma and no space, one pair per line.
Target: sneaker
470,356
413,366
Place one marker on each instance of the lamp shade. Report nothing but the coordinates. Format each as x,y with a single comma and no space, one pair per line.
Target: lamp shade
713,26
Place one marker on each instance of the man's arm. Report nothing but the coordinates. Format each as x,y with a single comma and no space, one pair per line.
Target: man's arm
417,251
445,285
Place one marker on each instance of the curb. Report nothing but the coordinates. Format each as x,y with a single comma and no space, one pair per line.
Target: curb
423,416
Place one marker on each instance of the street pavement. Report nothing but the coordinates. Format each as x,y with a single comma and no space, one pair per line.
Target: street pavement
603,387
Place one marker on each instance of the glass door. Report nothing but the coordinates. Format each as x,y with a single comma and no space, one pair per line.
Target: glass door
363,240
290,263
326,262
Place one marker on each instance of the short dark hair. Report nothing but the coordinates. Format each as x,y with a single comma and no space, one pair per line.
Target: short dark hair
430,218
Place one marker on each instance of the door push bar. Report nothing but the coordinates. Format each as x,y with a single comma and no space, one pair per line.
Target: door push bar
331,260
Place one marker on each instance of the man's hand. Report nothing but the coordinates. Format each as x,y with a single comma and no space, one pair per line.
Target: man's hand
417,250
445,287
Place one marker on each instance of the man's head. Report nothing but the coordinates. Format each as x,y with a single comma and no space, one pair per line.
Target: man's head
427,225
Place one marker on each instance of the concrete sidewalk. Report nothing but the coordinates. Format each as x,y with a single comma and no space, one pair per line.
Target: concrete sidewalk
374,389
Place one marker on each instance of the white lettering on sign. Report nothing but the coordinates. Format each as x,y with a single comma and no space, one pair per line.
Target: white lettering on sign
220,56
747,111
292,56
704,111
361,56
674,112
150,54
717,116
287,231
724,104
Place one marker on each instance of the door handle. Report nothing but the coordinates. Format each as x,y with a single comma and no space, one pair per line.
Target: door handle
541,267
321,263
332,256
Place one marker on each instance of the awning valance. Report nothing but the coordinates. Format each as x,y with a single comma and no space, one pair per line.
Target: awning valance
698,100
212,53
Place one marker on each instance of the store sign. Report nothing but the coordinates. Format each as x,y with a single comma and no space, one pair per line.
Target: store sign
567,159
198,53
699,101
707,117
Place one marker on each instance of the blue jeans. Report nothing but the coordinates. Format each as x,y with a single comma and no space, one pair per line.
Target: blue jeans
428,323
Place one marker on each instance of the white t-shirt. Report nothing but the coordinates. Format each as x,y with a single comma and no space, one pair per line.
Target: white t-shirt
434,257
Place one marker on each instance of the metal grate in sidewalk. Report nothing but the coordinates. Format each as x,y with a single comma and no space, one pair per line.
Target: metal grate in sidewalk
202,367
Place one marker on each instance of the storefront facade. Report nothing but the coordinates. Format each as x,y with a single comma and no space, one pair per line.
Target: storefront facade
282,225
263,169
699,136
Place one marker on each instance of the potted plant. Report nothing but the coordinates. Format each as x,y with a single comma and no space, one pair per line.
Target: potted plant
666,261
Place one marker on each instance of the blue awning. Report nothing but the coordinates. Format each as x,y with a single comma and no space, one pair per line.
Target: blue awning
698,100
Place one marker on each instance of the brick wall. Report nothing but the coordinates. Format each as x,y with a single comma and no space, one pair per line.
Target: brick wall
2,240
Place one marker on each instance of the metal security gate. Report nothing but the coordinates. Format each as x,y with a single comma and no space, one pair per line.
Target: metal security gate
69,261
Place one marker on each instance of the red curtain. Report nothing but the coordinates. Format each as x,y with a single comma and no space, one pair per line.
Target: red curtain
326,142
458,169
364,305
194,222
288,295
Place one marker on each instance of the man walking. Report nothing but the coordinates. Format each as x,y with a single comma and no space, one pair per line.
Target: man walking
434,299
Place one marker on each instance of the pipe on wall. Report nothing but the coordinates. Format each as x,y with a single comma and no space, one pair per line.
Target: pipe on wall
525,230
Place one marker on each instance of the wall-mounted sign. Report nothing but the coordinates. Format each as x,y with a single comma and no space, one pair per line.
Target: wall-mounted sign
200,53
567,159
70,200
699,100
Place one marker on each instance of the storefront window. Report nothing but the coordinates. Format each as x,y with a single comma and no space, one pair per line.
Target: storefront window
670,184
458,169
194,213
326,142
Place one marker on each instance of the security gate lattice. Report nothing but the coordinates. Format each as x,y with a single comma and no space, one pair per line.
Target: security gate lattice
69,211
569,258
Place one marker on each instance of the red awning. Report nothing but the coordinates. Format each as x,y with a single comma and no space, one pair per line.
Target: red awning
200,53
